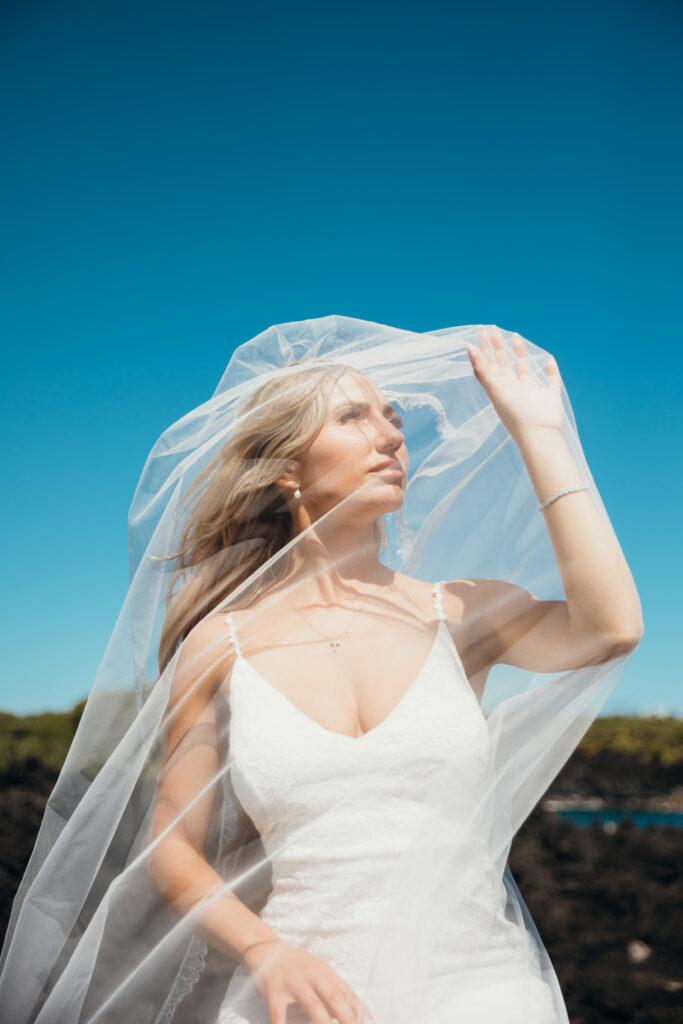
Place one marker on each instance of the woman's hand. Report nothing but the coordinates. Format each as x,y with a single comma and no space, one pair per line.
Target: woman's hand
285,974
519,400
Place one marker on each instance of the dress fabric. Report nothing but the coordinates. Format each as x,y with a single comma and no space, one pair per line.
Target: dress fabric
333,820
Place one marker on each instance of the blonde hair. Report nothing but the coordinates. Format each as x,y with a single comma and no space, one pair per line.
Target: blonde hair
242,518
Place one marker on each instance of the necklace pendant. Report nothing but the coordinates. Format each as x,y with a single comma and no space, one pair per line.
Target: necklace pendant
334,644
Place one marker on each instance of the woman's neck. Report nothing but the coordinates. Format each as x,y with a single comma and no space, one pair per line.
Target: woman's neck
327,561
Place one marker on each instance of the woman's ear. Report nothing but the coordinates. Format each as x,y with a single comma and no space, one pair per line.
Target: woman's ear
290,479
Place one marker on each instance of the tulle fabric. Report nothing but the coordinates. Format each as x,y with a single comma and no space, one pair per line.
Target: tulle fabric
398,840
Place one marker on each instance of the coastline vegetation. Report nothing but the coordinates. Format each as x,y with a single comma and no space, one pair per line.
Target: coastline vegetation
44,739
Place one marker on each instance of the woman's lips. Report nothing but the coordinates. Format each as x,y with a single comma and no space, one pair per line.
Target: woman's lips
390,472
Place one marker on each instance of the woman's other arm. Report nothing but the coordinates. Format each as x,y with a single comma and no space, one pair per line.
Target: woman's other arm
185,796
284,974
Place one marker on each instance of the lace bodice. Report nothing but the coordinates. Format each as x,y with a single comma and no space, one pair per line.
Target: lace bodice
334,812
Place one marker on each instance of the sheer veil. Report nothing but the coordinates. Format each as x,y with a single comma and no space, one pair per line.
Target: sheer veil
209,767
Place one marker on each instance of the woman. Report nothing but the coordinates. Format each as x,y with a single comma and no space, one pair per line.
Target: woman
311,789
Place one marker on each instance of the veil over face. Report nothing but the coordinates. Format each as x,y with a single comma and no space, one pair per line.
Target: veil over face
269,727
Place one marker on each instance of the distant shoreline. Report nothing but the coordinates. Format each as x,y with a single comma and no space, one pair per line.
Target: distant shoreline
672,801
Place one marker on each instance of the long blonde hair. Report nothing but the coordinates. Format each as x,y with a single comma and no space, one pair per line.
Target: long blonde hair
241,518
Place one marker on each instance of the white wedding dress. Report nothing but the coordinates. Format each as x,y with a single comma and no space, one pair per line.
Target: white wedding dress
334,815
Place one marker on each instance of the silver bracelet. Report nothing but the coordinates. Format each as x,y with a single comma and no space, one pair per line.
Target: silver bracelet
570,490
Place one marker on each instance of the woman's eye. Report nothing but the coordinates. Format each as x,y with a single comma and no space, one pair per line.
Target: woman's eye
352,413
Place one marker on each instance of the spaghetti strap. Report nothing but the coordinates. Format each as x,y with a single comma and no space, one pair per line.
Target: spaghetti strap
233,633
437,595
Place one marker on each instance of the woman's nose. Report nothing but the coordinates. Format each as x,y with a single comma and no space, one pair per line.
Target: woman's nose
392,436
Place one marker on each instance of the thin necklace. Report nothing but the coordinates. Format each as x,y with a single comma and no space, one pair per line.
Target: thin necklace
334,641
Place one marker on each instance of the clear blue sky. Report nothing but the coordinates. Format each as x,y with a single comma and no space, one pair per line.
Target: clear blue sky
176,178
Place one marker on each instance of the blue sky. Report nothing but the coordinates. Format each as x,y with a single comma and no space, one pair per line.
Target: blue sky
179,177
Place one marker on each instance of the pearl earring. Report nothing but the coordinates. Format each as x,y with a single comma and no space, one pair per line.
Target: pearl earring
297,493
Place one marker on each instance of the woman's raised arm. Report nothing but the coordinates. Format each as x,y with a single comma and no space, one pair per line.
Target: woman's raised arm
601,616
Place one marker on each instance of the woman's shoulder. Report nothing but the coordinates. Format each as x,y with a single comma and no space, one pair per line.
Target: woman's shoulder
453,592
463,598
206,655
479,594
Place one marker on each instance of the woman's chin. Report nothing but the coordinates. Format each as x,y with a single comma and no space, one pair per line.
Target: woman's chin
392,500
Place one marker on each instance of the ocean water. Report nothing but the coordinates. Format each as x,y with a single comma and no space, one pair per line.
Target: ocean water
606,816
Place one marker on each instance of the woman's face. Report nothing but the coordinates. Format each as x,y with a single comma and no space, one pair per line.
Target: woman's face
360,434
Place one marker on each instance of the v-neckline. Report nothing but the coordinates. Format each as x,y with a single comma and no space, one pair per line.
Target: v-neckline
344,737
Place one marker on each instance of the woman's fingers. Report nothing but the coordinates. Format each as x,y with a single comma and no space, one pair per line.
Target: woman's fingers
518,398
523,367
486,345
499,350
305,998
494,354
554,379
335,1002
481,357
277,1008
344,1004
312,984
308,1000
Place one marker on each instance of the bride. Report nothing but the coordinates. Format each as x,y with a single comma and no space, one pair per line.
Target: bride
332,651
305,814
